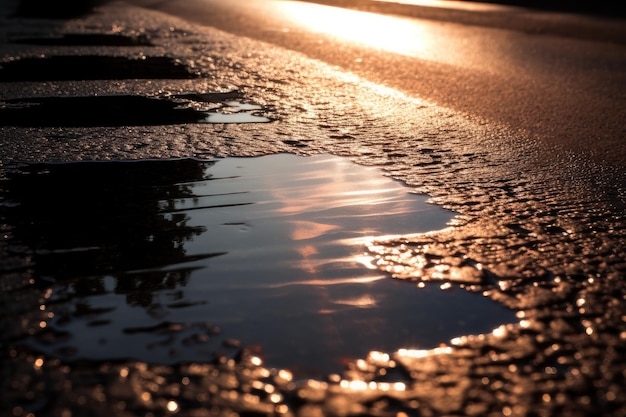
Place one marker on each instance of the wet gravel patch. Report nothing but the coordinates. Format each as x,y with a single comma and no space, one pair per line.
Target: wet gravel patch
544,236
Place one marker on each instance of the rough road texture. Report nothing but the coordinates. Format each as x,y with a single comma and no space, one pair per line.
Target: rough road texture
543,237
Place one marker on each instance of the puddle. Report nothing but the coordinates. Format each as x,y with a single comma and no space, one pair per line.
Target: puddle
236,112
177,260
126,110
93,67
243,117
86,39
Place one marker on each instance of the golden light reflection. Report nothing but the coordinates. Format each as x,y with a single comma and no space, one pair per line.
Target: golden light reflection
393,34
307,252
304,230
500,331
172,406
377,356
422,353
285,374
372,386
346,205
251,399
363,302
354,385
325,282
365,260
363,194
318,385
457,341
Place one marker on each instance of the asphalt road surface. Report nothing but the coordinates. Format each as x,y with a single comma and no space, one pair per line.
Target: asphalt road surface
566,89
510,118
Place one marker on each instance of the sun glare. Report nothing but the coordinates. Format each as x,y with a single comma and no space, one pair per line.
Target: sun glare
403,36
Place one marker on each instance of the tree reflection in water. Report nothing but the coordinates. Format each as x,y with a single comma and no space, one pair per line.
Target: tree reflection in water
82,220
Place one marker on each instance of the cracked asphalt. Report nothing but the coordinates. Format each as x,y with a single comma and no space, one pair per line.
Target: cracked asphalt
543,236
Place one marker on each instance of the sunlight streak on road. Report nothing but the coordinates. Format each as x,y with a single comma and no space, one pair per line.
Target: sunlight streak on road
449,4
393,34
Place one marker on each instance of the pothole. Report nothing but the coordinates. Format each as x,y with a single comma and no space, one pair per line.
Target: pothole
127,110
181,260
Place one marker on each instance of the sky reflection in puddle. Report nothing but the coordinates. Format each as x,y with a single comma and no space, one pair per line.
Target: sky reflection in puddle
237,112
155,257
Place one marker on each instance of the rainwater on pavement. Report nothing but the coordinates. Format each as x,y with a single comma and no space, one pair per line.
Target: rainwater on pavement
521,256
171,260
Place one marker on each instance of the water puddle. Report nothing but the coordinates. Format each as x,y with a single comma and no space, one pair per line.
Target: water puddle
127,110
179,260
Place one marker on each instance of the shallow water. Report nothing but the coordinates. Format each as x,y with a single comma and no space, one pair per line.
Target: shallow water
179,260
128,110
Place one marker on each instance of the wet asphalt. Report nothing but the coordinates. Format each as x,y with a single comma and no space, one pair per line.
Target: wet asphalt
541,236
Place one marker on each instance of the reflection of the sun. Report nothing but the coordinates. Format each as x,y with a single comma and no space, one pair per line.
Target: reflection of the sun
363,301
330,212
392,34
303,230
329,282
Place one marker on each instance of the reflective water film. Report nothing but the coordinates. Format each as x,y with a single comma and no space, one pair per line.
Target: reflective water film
128,110
171,261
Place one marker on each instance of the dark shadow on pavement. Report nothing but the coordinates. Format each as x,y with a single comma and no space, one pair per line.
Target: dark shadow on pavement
600,8
55,9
